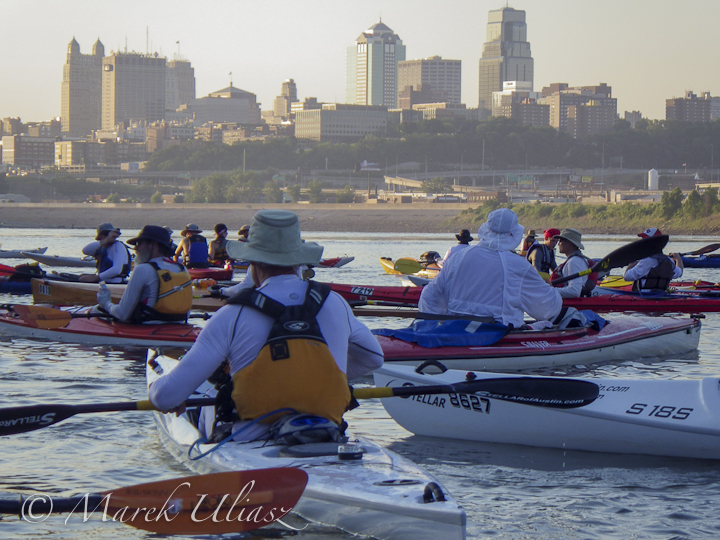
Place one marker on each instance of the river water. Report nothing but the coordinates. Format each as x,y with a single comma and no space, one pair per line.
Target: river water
508,492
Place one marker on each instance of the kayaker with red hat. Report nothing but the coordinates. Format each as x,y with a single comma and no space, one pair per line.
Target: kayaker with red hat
654,273
570,244
159,289
542,255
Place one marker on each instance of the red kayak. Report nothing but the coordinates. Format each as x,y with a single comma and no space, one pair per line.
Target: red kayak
336,262
362,293
213,272
625,337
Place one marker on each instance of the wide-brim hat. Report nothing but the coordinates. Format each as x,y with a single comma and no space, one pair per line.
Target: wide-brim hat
156,234
275,239
464,236
501,231
244,229
573,236
190,228
105,228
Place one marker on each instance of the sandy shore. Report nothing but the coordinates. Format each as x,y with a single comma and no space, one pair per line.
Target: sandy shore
319,217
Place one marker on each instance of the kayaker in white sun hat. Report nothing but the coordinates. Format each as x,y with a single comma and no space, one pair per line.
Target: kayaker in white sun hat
489,279
311,377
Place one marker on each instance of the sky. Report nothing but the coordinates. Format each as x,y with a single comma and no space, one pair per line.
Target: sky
646,50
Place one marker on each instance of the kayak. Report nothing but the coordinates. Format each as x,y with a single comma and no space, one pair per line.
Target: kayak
380,494
19,253
702,261
361,293
623,338
213,272
336,262
677,417
428,272
101,331
75,293
8,286
684,286
56,260
627,301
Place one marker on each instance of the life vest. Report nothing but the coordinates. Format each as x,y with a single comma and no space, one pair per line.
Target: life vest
591,280
221,254
197,251
658,278
548,263
174,299
294,368
104,262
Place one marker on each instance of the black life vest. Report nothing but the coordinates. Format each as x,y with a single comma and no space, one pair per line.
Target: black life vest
547,264
658,278
592,278
220,255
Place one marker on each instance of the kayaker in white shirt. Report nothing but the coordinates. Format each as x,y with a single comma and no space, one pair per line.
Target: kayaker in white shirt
653,274
237,333
489,279
146,298
464,239
112,256
570,245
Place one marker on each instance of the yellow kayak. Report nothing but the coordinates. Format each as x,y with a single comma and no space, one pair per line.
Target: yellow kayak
407,264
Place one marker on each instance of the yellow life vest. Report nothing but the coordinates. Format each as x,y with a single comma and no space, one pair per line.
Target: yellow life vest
174,299
294,368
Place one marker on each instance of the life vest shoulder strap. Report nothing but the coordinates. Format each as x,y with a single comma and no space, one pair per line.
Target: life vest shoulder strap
315,297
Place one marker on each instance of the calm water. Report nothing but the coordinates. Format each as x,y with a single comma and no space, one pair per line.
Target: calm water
508,492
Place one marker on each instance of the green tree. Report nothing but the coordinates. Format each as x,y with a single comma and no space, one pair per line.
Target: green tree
710,200
113,198
693,206
179,199
272,192
671,202
157,197
345,195
293,192
436,185
315,193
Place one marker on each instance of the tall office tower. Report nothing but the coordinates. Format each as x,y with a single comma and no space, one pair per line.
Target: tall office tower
506,55
179,84
133,88
81,91
283,102
372,67
442,77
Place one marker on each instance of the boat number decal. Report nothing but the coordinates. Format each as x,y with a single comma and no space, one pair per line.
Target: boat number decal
652,325
535,344
660,411
45,289
367,291
471,402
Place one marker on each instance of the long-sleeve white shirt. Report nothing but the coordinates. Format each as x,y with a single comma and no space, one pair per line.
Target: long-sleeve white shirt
117,253
643,267
573,288
483,282
237,333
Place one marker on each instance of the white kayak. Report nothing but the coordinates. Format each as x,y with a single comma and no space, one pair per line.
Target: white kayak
380,495
56,260
658,417
20,253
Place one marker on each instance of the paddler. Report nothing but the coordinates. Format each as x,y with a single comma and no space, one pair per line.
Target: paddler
529,240
489,279
654,273
311,378
112,257
464,239
173,245
159,289
218,255
542,254
193,247
243,233
570,244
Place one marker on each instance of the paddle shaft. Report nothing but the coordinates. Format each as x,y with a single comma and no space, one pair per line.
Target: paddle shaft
703,250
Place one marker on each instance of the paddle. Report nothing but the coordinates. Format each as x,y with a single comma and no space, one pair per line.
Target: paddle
407,265
6,270
542,392
210,504
702,251
622,256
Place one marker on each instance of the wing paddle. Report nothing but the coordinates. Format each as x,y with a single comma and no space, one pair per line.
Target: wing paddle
702,251
211,504
622,256
406,265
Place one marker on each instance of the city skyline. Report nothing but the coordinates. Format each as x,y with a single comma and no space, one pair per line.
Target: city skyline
638,49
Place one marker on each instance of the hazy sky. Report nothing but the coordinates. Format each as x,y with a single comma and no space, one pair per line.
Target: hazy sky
647,50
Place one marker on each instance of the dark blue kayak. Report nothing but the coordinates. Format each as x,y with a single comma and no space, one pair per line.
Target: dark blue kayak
14,287
703,261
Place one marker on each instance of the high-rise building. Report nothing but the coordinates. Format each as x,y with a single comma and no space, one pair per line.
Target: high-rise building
283,102
582,110
441,77
691,108
372,67
506,55
179,83
81,94
133,88
518,101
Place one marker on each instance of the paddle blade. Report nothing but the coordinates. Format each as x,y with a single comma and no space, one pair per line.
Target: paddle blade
703,250
23,419
210,504
406,265
43,317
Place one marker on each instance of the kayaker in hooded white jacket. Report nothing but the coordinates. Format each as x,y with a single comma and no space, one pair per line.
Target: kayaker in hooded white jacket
489,279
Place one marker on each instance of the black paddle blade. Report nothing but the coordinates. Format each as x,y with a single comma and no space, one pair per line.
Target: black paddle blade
703,250
23,419
634,251
541,392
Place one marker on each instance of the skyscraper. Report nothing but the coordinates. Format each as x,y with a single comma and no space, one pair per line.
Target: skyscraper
372,67
283,102
441,77
506,55
179,84
133,88
81,101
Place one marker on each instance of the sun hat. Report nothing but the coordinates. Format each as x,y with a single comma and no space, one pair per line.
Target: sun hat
573,236
190,228
244,229
531,234
501,231
648,233
220,227
551,233
275,239
464,237
156,234
168,229
105,228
